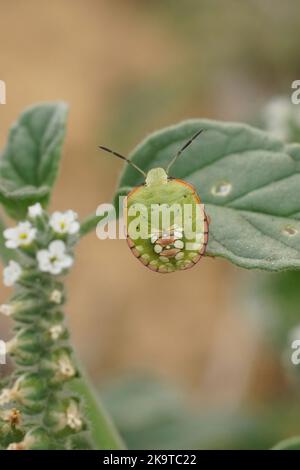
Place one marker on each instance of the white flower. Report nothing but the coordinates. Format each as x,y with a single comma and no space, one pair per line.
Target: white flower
54,260
11,273
64,222
6,309
35,211
21,235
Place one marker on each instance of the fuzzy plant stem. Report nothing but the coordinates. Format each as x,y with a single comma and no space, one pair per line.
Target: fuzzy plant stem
46,403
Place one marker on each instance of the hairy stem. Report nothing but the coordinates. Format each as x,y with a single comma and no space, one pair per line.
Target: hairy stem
42,400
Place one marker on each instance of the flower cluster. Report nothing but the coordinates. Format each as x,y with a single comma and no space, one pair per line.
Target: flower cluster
54,257
36,409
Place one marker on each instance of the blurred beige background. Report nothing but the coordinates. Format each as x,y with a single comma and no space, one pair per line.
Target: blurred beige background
127,68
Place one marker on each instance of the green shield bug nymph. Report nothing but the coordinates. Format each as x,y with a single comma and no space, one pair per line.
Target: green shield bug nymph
166,224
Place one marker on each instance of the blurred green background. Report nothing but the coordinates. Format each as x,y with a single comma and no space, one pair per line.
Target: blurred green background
174,371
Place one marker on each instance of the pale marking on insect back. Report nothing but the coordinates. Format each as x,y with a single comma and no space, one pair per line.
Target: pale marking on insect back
188,264
223,188
153,263
145,259
179,244
164,259
158,249
193,246
163,269
200,238
178,234
140,248
290,231
154,238
179,256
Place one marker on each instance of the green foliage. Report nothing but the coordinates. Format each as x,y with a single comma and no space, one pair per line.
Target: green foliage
33,414
249,182
293,443
30,161
154,414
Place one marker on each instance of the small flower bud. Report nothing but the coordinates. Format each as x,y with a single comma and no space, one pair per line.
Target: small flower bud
36,439
24,310
25,346
16,308
11,416
56,331
6,309
65,368
5,396
35,211
56,296
64,416
60,364
32,391
29,391
10,426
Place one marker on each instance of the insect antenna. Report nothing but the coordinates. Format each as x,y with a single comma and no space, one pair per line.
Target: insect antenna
185,146
123,158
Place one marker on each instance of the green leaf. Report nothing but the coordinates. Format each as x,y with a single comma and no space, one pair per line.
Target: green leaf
30,161
293,443
249,182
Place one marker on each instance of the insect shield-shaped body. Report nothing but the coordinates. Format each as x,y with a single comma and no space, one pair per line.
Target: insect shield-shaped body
166,224
167,228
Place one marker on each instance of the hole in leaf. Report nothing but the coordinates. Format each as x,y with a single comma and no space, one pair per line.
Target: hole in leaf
289,230
221,189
